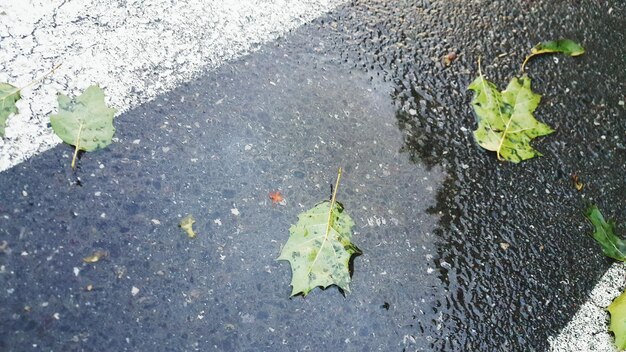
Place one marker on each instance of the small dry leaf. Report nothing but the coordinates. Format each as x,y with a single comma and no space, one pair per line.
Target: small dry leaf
577,184
449,58
504,245
95,257
187,225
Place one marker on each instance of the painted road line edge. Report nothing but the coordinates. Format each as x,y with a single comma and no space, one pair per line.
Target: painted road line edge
588,329
134,51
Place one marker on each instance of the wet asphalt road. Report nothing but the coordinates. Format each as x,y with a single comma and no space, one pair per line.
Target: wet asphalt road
363,88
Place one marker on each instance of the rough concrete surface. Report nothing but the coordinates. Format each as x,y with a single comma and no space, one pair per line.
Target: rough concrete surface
588,329
133,49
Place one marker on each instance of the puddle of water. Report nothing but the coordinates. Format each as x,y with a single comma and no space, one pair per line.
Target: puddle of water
215,149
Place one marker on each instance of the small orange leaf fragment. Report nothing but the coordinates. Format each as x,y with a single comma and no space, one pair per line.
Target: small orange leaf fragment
277,198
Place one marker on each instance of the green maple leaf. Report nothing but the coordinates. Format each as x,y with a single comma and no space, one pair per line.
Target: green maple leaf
86,119
85,122
612,245
8,96
617,309
319,248
506,124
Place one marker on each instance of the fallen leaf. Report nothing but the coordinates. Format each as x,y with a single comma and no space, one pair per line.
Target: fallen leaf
85,122
187,225
8,96
95,257
612,246
276,197
617,309
506,124
449,58
319,247
564,46
577,184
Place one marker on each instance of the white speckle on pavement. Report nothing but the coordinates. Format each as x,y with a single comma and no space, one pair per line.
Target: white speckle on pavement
133,49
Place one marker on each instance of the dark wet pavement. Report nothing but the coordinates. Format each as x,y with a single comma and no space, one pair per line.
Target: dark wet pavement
215,148
363,88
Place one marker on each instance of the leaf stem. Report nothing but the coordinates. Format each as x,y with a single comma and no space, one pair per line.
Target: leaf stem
526,60
330,217
332,200
332,204
77,146
36,80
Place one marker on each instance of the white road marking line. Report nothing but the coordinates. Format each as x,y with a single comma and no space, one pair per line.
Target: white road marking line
588,329
134,49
